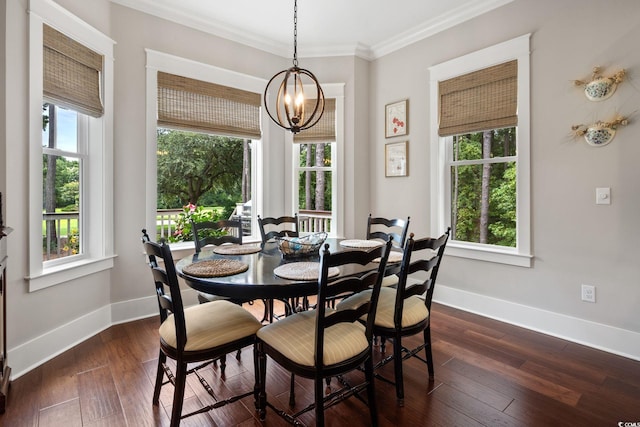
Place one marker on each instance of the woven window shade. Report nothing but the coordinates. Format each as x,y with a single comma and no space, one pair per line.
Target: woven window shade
191,104
482,100
71,74
325,129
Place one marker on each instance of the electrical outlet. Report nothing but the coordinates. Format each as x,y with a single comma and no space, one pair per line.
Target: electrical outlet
588,293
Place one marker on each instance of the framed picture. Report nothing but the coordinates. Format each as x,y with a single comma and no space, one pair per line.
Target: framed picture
395,123
396,159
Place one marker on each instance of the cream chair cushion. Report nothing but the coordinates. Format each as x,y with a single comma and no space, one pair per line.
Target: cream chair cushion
414,310
294,338
211,325
390,280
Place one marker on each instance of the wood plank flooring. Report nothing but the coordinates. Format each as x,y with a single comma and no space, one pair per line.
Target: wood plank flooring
488,373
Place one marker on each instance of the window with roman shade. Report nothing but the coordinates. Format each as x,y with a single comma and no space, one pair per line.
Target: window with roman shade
190,104
481,100
325,129
71,74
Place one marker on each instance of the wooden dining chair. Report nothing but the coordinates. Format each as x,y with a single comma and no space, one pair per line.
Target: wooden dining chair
384,228
273,227
199,334
405,310
216,233
322,343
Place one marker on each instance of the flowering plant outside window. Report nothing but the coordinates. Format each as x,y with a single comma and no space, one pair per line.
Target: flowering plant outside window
189,212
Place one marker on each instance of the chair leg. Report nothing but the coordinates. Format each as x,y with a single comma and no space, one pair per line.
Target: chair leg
397,368
292,391
162,358
261,403
319,399
428,354
178,393
257,377
371,392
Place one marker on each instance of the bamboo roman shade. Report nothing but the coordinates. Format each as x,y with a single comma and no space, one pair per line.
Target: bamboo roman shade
481,100
71,73
192,104
325,129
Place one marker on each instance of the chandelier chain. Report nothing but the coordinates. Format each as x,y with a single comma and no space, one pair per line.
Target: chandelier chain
295,33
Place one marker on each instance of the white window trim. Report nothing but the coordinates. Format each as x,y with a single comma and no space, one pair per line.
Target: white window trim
336,91
517,48
97,194
159,61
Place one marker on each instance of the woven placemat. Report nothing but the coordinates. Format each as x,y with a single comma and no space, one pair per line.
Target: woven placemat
393,258
357,243
307,270
235,249
215,268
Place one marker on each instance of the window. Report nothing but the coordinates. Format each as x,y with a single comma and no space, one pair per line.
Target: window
63,155
204,145
70,165
480,153
316,153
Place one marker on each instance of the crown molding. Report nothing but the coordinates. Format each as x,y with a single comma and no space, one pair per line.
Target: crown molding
440,23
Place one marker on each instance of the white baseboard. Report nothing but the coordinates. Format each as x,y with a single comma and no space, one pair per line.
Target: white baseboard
25,357
603,337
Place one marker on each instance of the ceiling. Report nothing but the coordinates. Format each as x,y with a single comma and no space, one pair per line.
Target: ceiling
366,28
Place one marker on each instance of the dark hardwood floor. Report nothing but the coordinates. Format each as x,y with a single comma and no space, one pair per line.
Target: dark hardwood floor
487,373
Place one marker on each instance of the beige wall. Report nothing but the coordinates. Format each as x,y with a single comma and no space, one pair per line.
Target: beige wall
574,241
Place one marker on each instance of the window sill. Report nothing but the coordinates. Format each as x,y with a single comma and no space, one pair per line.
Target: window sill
489,253
65,272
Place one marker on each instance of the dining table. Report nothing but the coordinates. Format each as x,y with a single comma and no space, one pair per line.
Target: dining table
258,278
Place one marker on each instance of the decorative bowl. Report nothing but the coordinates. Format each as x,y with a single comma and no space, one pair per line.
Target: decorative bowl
293,247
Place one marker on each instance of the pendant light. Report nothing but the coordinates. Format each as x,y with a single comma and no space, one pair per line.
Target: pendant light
294,111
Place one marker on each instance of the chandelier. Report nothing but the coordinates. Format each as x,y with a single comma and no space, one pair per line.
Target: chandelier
294,111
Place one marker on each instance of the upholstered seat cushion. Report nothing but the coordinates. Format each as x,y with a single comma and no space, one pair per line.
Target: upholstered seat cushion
294,338
211,325
390,280
414,310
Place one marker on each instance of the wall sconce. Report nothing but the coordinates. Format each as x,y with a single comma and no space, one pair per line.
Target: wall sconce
599,87
599,133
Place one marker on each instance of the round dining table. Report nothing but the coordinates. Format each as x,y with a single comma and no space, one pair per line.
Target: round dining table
259,280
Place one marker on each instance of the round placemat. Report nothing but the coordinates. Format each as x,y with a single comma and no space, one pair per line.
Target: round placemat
235,249
307,270
357,243
215,268
393,258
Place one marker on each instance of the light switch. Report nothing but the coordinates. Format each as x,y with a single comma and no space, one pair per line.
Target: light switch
603,196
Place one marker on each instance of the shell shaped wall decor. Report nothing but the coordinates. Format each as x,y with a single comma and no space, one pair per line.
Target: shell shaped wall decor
599,134
599,87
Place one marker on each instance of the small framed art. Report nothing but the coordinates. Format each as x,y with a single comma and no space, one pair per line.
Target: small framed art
396,119
396,159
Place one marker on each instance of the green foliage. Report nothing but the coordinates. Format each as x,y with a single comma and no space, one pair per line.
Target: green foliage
467,189
198,168
67,180
326,162
184,232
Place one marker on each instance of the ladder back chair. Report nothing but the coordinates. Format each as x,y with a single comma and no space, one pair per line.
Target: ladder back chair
272,227
197,334
383,228
404,311
327,343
